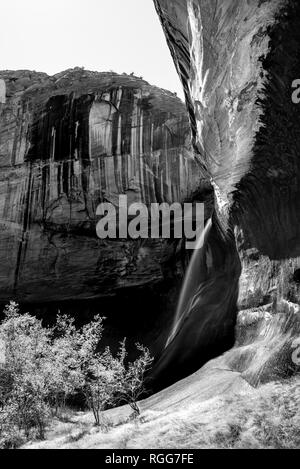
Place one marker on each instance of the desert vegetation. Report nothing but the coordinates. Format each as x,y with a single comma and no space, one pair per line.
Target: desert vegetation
42,368
266,417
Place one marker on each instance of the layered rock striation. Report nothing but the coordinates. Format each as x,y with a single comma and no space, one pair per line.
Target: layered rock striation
67,143
71,141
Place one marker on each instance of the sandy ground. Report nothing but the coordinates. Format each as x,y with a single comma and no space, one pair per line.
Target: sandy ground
214,407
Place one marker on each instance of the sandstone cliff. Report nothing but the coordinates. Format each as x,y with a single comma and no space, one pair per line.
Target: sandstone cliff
237,61
67,143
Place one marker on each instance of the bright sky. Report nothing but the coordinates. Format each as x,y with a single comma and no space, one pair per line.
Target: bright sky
119,35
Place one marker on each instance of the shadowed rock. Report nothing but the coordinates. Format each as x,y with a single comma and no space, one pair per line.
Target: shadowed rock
67,143
237,61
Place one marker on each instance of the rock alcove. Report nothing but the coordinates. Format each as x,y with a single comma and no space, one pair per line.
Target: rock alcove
72,140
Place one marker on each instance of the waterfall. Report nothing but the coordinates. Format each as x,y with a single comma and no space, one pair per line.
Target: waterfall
190,284
204,320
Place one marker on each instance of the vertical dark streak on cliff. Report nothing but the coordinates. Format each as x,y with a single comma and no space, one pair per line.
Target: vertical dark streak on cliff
82,112
126,109
116,119
26,225
18,135
44,189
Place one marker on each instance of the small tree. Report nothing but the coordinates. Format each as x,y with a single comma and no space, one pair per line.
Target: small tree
132,384
23,391
110,380
101,382
79,367
43,367
64,365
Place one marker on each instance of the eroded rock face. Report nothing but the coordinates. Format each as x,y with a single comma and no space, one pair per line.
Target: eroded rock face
67,143
237,61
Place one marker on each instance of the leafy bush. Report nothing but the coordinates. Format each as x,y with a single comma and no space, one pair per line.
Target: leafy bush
111,380
132,378
43,367
24,377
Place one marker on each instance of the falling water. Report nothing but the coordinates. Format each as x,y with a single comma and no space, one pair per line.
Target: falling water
190,283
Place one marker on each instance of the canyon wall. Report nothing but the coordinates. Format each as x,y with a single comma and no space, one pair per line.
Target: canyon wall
67,143
76,139
237,60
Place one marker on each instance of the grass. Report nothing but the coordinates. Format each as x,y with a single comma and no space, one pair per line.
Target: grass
267,417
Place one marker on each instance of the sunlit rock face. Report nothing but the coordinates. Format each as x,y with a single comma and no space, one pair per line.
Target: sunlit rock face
237,61
67,143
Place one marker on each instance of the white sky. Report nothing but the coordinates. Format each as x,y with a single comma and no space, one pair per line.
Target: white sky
119,35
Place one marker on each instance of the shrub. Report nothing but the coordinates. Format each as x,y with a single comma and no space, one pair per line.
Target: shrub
132,384
101,383
110,380
24,384
43,367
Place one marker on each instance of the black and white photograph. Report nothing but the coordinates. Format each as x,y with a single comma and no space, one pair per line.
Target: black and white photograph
150,227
